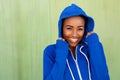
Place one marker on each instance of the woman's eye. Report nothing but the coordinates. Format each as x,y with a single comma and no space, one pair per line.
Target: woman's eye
69,28
80,28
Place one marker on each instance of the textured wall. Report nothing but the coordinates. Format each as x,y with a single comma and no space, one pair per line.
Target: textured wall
27,26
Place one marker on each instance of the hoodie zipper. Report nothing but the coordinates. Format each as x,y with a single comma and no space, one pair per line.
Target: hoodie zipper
77,66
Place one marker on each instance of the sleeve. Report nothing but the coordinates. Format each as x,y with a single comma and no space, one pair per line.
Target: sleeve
54,68
99,70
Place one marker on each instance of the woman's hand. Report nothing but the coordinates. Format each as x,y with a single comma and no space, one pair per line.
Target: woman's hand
61,39
89,33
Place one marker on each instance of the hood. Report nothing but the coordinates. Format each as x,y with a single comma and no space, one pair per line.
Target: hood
74,10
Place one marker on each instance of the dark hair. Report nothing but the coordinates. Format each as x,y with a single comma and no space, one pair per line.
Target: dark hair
85,18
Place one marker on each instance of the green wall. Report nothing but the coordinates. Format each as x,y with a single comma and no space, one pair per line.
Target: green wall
27,26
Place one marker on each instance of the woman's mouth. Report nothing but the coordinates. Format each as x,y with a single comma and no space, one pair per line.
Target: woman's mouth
73,40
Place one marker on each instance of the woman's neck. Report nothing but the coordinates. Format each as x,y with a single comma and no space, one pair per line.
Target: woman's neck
73,51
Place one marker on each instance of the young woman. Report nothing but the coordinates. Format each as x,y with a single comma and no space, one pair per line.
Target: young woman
78,53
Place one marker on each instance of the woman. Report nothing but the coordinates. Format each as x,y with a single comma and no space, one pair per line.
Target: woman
78,53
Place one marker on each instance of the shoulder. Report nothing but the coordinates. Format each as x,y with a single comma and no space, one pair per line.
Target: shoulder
49,51
50,47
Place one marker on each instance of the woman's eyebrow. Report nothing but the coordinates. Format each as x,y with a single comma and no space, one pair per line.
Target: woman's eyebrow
68,26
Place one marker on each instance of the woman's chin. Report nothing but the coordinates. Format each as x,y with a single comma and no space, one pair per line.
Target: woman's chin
73,45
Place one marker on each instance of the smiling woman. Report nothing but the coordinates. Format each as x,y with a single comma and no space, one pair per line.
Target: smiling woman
78,53
73,31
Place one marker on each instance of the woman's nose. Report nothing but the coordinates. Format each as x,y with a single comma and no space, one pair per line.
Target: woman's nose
74,33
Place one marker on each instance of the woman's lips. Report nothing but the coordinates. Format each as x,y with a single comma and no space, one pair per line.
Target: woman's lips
73,40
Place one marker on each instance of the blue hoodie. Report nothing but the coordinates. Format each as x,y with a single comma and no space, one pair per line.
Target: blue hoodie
90,63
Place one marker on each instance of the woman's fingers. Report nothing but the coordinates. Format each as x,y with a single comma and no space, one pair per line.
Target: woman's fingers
61,39
89,33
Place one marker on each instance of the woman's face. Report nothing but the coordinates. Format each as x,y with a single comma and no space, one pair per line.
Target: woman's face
73,30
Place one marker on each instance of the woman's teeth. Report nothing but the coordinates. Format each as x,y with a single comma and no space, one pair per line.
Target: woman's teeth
73,40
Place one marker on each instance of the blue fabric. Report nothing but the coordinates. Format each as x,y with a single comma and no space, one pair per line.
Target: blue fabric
55,55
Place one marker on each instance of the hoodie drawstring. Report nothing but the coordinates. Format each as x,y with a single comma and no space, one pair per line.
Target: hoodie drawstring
77,66
87,61
70,69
